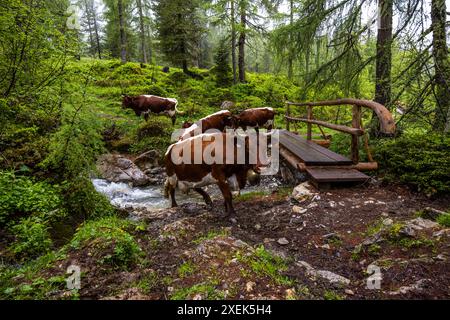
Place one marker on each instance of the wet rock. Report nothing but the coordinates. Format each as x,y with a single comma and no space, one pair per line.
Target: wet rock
303,192
257,226
388,222
283,241
148,160
116,168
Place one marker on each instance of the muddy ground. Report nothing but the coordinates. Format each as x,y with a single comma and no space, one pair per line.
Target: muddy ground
319,247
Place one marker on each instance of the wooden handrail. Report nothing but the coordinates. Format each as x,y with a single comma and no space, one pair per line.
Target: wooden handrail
387,124
337,127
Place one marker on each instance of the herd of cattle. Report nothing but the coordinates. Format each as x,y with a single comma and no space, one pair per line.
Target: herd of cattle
187,176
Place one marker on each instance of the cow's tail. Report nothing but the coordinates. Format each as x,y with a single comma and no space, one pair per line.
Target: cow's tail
178,111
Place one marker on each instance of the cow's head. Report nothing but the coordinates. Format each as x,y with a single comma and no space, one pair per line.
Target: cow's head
230,121
127,101
186,125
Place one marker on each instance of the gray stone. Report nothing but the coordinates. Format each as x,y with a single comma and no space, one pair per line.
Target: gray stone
116,168
148,160
283,241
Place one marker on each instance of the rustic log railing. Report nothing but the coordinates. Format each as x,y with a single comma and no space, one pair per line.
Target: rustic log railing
387,124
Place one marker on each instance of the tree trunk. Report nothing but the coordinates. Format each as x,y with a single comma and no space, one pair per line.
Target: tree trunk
441,66
97,37
123,40
89,23
233,41
142,31
241,62
290,57
384,54
383,59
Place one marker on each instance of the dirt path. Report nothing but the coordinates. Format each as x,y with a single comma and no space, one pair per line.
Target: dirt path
280,248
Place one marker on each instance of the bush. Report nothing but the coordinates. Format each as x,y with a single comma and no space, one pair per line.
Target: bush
32,238
23,196
83,201
112,244
420,160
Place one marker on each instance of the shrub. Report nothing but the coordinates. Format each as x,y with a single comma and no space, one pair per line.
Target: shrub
113,245
420,160
32,238
22,196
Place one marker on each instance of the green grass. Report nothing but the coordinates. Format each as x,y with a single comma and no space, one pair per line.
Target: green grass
186,269
332,295
444,220
250,196
211,235
262,262
207,290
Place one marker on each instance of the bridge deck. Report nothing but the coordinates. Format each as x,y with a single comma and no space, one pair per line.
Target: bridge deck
309,152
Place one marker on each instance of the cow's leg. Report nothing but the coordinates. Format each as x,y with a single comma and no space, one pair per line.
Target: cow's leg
205,196
174,118
172,196
146,115
226,192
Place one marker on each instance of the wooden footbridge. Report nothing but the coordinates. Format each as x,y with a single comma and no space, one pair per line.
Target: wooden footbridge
322,165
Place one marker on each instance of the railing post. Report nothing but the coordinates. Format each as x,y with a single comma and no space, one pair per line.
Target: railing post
288,114
309,125
356,123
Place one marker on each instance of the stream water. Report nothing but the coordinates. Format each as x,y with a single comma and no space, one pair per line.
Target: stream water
124,196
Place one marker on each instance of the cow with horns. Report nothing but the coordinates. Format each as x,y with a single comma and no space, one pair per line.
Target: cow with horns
146,104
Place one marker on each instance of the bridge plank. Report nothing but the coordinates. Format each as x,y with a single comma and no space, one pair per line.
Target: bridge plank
310,152
321,175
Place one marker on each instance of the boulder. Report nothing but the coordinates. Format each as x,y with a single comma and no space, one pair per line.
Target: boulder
148,160
116,168
227,105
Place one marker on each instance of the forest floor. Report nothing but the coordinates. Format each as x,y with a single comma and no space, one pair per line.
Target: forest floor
279,248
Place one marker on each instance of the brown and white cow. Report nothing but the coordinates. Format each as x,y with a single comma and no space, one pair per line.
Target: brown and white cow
219,120
255,118
144,104
228,175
